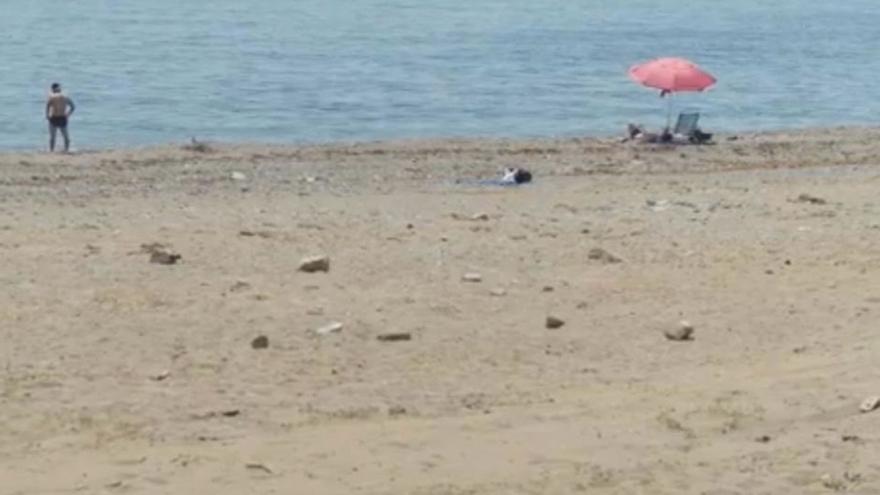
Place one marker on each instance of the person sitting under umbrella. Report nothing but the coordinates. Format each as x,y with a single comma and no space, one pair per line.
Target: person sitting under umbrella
636,132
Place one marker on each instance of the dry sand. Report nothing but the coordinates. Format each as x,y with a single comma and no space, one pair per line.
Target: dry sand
123,376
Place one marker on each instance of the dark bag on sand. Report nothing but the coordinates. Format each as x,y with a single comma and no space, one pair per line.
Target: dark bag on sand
700,137
522,176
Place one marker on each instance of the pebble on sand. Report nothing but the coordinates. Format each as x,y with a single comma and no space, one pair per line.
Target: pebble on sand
396,411
257,466
161,376
239,286
836,484
314,264
261,342
685,331
472,277
477,217
394,337
807,198
599,254
554,322
870,404
161,257
329,328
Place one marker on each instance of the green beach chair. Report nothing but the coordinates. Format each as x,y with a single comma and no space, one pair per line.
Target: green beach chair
686,124
686,127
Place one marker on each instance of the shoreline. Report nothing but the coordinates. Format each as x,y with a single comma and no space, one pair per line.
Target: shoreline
805,132
438,138
382,165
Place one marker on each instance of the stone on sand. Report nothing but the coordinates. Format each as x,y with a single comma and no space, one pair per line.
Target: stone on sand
329,328
808,198
396,411
261,342
161,376
599,254
314,264
870,404
684,331
257,466
472,277
162,257
394,337
239,286
553,322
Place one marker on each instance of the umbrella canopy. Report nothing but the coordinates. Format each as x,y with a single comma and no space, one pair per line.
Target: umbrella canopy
671,75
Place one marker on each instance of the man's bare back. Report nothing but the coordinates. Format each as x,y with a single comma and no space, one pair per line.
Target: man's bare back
57,105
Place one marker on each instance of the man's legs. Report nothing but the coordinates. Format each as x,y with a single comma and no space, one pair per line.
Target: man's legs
66,138
53,131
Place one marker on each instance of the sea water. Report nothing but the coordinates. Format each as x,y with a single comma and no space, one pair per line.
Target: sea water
293,71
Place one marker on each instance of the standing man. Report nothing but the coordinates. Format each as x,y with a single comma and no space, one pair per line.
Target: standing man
59,108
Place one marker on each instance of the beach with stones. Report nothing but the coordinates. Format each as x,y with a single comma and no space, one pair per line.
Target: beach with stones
367,318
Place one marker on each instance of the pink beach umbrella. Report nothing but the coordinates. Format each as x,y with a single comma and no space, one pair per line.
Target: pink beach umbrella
671,75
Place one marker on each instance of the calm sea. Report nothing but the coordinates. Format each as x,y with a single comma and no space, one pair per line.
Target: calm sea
154,71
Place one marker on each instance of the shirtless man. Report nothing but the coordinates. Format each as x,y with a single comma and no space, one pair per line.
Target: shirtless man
58,109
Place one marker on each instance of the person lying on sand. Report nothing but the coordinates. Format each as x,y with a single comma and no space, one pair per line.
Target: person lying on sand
637,133
513,176
510,176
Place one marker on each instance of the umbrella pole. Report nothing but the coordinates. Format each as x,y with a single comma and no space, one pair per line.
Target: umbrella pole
669,112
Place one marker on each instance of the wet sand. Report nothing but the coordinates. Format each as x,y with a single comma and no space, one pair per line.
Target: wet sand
124,376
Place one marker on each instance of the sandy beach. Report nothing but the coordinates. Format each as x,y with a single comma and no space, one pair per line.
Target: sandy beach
124,376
